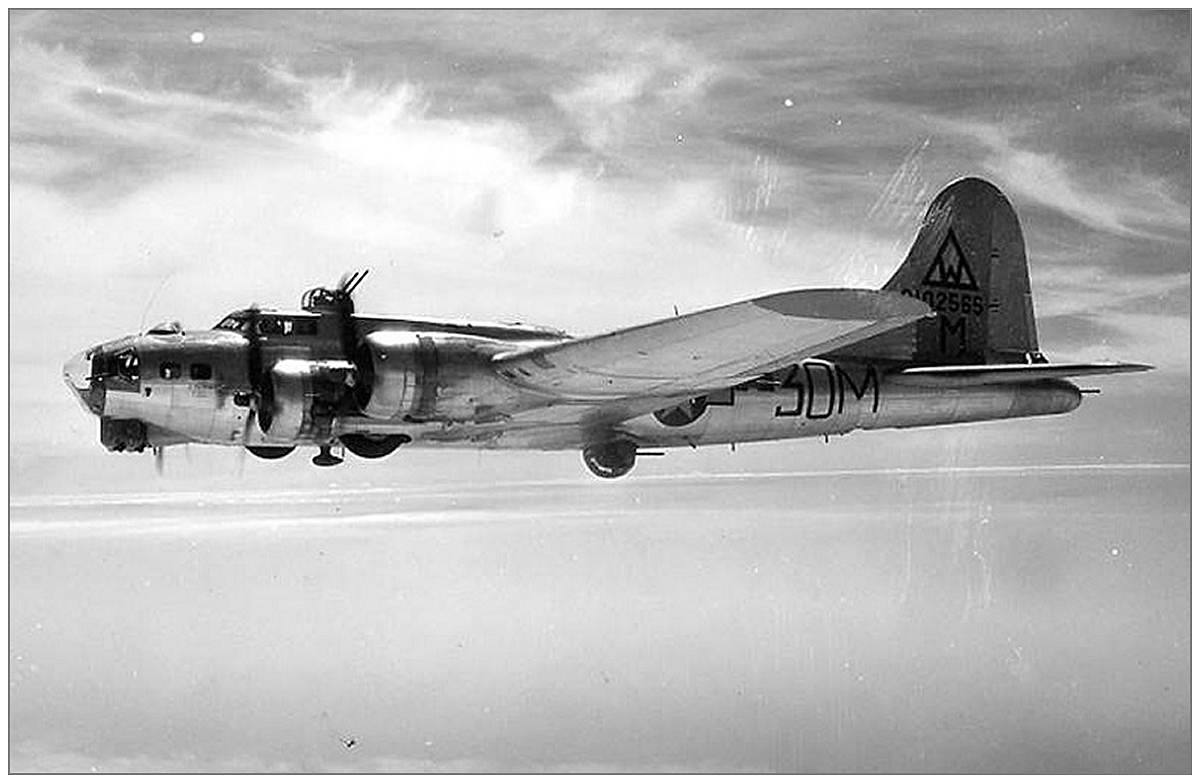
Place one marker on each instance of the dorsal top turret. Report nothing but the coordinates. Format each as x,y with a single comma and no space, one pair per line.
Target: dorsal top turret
321,299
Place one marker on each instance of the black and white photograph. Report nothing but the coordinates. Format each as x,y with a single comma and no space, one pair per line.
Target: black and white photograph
599,391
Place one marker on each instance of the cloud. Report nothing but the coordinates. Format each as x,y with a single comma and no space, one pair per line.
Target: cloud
1120,202
651,76
98,132
347,167
1113,315
1085,288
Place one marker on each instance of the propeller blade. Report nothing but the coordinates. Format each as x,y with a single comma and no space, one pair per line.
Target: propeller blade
254,361
251,418
159,459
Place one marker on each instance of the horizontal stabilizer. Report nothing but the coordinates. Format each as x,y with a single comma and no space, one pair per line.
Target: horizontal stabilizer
718,347
982,374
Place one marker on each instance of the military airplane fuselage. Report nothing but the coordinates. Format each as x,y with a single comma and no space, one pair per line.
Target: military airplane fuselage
950,339
290,372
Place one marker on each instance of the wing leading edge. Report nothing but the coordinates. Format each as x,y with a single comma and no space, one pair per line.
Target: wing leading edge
720,346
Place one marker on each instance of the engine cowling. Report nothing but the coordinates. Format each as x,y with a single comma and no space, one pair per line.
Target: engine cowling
418,377
300,398
399,375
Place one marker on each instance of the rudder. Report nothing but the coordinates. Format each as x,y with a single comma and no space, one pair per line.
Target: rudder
968,263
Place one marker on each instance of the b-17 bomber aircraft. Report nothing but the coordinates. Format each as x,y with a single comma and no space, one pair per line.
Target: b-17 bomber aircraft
950,338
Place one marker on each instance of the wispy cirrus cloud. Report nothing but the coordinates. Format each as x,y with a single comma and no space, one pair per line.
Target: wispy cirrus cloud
1107,315
101,130
641,79
1122,202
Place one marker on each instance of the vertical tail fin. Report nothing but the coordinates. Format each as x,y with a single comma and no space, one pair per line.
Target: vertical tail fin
968,263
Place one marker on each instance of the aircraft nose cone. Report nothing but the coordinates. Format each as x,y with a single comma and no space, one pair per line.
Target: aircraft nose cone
76,372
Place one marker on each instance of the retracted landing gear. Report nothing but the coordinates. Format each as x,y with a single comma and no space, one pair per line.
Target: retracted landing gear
610,460
373,446
270,452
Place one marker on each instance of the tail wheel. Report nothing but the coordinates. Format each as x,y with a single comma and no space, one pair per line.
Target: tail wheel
372,446
610,460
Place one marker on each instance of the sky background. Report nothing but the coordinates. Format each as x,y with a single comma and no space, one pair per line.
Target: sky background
792,606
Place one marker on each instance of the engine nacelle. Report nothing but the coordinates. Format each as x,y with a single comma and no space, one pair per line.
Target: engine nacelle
301,398
418,377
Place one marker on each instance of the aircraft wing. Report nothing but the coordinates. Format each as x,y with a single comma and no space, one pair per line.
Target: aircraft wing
711,348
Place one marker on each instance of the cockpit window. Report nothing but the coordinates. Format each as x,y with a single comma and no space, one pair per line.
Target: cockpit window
273,324
200,371
123,364
127,365
267,324
169,370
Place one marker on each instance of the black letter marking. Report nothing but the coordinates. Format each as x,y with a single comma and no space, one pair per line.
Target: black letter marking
808,367
870,381
948,328
780,412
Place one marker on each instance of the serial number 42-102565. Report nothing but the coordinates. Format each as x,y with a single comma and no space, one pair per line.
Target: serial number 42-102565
949,301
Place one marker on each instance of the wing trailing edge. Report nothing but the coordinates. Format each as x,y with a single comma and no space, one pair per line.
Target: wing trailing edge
719,346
